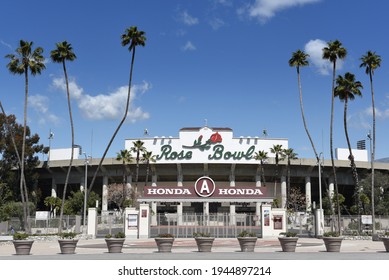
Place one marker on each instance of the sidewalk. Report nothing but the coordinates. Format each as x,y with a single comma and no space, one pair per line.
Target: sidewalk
98,246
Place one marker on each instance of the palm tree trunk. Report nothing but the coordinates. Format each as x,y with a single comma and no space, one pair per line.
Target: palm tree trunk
372,156
119,126
351,158
331,146
71,156
147,172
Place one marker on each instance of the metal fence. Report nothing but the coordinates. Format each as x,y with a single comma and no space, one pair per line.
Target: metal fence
220,225
109,222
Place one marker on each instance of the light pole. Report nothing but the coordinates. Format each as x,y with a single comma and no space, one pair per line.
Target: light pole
374,235
321,225
51,137
85,190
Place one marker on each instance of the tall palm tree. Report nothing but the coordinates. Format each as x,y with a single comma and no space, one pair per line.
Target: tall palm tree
138,148
24,61
125,157
372,61
262,157
300,59
148,157
64,52
346,89
332,52
132,37
277,151
289,154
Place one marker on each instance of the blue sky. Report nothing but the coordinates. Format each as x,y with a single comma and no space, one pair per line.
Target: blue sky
221,60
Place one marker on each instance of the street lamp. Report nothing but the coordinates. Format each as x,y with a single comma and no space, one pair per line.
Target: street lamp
86,162
374,235
51,137
321,225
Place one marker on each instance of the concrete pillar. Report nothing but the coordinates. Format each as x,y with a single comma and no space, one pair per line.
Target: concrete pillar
258,182
92,222
258,213
104,198
283,191
206,212
131,223
128,187
308,194
232,214
154,180
179,213
331,187
54,193
153,214
232,180
144,212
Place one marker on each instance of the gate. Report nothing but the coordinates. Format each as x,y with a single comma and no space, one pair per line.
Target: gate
110,222
219,225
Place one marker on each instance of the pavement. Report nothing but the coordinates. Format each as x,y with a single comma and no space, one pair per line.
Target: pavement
223,248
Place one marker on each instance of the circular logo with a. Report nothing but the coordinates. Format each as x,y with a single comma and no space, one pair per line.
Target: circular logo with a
205,186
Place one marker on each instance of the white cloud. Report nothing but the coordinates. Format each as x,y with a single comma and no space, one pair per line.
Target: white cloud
264,10
5,44
188,19
315,50
40,104
106,106
216,23
189,46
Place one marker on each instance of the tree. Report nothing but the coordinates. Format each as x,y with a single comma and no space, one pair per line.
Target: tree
277,151
148,157
333,52
75,202
137,148
262,157
372,61
116,196
346,89
300,59
24,61
126,157
289,155
132,37
64,52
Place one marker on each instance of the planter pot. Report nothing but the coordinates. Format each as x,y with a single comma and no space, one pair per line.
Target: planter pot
164,244
23,247
247,244
385,240
333,243
204,244
67,246
115,245
288,244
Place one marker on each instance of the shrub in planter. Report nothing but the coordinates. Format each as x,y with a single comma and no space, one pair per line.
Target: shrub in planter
67,243
164,242
115,244
247,241
332,241
204,241
21,243
288,241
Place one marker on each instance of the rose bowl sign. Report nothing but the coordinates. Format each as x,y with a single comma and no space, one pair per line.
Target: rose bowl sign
204,187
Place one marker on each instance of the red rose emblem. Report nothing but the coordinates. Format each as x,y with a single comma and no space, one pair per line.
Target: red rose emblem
216,138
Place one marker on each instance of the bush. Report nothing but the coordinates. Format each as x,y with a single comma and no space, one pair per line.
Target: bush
289,234
166,235
67,235
245,233
331,234
20,236
120,235
201,234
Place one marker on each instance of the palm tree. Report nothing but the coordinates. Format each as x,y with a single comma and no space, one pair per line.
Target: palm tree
333,52
132,37
126,157
300,59
262,157
138,148
346,89
289,154
372,61
64,52
25,60
148,157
